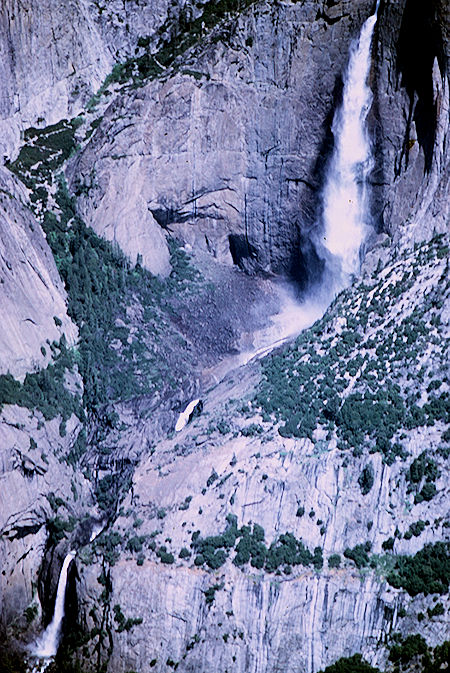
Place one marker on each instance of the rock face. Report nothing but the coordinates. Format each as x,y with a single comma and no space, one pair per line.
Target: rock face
35,484
229,155
229,461
411,107
32,297
71,48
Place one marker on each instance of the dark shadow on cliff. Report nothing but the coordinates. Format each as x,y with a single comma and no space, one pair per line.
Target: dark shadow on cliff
420,42
310,265
377,177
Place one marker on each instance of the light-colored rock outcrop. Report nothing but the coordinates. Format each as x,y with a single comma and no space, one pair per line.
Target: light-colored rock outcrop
31,292
54,56
33,473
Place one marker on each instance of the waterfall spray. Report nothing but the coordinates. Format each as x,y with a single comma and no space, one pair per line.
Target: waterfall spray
345,209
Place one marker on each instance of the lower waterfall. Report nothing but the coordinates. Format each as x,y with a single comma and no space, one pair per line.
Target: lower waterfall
47,645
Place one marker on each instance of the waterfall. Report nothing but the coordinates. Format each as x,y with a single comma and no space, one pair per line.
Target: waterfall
345,209
47,645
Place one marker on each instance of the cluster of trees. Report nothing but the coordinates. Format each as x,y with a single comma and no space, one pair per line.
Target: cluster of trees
44,390
427,572
249,545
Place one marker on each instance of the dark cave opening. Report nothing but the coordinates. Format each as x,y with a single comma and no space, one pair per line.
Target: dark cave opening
243,253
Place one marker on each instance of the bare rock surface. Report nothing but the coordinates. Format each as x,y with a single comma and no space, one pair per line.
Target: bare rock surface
32,296
411,120
227,155
35,482
72,48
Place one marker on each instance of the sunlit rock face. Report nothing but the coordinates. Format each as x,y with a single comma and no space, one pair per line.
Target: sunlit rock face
32,297
231,156
55,55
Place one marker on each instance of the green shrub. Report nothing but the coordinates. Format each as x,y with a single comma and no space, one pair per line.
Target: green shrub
210,593
317,559
135,543
212,478
184,553
427,493
165,556
31,613
410,648
437,611
57,529
124,624
354,664
334,561
110,489
289,551
109,543
365,479
359,554
252,430
417,528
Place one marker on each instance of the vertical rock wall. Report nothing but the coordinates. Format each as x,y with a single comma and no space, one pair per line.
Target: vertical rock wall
411,118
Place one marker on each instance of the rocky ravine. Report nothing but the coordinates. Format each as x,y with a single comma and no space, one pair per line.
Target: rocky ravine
171,146
266,612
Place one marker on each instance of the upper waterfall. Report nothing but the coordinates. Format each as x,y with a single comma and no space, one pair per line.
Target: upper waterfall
346,217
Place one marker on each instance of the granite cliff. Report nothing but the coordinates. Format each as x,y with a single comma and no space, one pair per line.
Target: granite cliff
161,192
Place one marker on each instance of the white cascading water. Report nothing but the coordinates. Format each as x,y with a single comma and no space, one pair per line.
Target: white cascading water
183,418
47,644
345,210
346,219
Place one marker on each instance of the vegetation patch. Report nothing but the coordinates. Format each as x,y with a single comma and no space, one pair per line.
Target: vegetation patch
361,384
406,654
421,476
359,554
44,390
44,151
124,623
250,548
426,572
354,664
210,593
413,654
176,37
